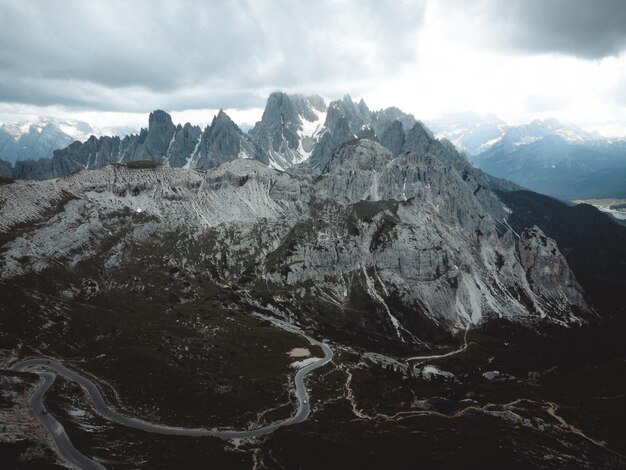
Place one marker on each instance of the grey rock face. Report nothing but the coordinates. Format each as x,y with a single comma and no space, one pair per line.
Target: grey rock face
383,118
546,268
278,126
161,129
365,170
346,120
183,144
292,130
223,141
367,133
5,138
400,246
297,130
420,140
393,138
338,130
43,168
283,131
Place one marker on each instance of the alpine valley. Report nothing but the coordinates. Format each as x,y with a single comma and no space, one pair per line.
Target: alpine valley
335,288
549,157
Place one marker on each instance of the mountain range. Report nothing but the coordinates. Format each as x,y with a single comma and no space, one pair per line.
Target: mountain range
293,129
475,133
380,206
460,310
32,140
546,156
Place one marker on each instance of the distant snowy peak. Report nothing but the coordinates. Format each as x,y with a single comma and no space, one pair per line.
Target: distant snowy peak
77,130
571,133
469,132
519,136
473,133
32,140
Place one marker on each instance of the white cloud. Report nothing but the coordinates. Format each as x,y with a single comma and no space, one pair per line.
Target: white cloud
455,72
113,62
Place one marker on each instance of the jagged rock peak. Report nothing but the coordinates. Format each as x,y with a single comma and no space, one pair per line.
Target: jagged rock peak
291,106
289,128
159,117
418,138
222,118
294,128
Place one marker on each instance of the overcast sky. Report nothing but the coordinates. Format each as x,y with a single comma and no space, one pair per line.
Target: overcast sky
111,62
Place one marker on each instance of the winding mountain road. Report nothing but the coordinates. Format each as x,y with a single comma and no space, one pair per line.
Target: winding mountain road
73,456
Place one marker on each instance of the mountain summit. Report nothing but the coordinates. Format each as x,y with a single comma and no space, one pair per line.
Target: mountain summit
293,129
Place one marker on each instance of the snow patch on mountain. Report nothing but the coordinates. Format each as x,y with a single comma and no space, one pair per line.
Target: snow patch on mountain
308,135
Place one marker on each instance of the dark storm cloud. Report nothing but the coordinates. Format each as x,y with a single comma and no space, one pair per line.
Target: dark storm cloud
135,56
590,29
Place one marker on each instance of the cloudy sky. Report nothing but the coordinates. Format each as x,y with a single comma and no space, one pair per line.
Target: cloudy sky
111,62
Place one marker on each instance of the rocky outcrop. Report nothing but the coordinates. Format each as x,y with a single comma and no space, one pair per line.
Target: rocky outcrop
161,130
380,120
547,271
344,120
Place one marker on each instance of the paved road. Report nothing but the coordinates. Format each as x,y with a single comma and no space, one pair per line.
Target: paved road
56,430
71,454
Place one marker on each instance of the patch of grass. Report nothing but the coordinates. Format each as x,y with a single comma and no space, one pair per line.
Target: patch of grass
197,364
334,440
28,455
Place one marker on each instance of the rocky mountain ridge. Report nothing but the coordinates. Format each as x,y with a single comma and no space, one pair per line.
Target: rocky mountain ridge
386,249
293,129
32,140
473,133
545,156
561,168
